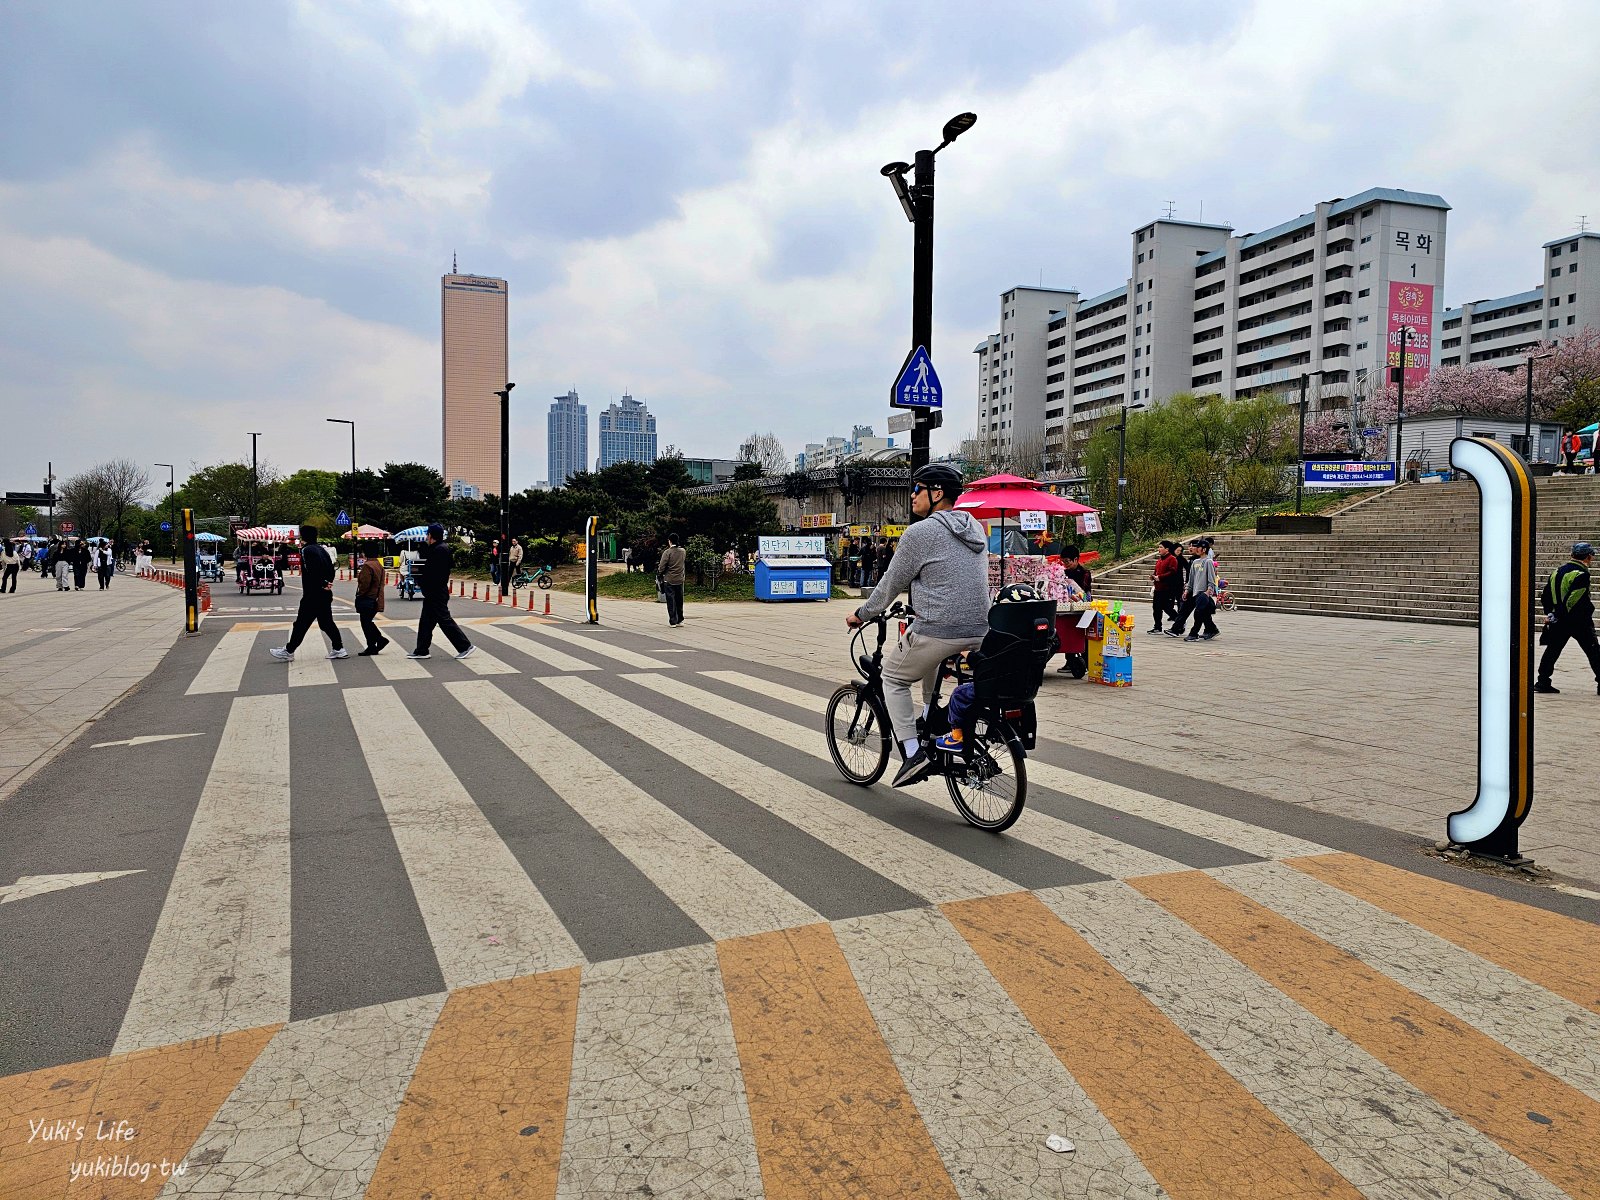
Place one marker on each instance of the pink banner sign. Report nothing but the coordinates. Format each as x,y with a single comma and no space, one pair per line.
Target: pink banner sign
1411,308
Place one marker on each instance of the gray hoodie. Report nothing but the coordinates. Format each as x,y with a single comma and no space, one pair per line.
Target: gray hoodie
942,563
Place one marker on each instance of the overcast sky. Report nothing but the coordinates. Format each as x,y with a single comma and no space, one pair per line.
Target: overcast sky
219,217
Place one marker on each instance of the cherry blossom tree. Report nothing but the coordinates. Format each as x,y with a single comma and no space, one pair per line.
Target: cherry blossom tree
1566,385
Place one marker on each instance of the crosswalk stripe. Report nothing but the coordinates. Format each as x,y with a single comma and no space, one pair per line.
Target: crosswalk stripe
657,1103
595,646
483,663
484,915
720,892
1200,1133
1312,1078
219,960
1558,1035
552,658
989,1089
394,667
1252,839
830,1112
1556,952
167,1095
311,666
485,1112
1415,1038
916,865
1041,830
223,669
311,1115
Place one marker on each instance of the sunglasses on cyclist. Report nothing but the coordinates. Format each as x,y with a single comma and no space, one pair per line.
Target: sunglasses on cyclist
917,489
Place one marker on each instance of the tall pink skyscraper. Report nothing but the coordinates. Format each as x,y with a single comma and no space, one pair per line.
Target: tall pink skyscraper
474,360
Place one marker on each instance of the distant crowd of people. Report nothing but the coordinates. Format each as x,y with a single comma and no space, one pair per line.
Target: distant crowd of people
68,559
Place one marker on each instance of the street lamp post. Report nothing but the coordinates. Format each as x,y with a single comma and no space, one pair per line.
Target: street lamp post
1400,408
1300,477
350,499
254,478
172,529
505,484
1527,411
917,201
1122,463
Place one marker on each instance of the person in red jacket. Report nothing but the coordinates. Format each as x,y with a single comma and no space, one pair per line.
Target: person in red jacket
1166,586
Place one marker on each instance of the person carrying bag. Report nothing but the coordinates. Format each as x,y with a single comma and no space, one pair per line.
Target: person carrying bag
369,603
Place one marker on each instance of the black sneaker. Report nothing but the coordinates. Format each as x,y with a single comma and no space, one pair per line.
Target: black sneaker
1153,632
368,652
1172,633
1548,689
1206,637
914,770
1193,637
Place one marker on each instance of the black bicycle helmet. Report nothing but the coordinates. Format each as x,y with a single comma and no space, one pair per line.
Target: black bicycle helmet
939,475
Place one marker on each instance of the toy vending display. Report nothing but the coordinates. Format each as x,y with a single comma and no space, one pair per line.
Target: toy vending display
1111,645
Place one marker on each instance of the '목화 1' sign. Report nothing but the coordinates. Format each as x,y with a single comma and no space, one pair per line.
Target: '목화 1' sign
1349,474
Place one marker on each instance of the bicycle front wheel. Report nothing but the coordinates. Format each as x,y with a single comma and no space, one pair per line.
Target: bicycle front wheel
990,791
1228,603
858,734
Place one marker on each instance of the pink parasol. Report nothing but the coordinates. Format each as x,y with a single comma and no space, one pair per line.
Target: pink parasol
366,532
1000,495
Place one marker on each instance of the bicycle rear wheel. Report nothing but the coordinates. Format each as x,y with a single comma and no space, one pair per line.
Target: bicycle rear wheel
544,583
858,734
1227,603
990,792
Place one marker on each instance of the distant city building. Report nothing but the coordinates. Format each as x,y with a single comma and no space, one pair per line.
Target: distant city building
821,455
711,470
473,345
627,434
567,438
460,489
1500,332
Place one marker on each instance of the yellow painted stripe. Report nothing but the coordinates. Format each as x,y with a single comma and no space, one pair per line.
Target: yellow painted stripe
1549,1125
167,1095
830,1113
1556,952
1522,615
1196,1128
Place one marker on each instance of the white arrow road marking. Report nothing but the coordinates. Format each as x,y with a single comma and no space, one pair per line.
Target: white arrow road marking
38,885
144,739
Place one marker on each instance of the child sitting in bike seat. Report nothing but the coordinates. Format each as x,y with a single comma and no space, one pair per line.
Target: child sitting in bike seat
993,643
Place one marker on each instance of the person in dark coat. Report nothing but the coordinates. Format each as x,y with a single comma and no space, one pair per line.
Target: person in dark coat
316,600
81,555
437,562
369,603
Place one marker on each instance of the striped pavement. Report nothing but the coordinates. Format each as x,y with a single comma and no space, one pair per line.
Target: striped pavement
589,915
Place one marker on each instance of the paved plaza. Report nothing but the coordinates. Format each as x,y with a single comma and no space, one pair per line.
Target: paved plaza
592,914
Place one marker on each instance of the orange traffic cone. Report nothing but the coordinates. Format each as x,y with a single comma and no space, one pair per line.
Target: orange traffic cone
547,604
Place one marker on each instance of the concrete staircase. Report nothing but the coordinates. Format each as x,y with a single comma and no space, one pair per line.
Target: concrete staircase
1406,554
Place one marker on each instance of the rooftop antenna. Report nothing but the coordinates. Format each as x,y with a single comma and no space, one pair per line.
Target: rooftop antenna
453,270
1202,210
1171,208
1583,223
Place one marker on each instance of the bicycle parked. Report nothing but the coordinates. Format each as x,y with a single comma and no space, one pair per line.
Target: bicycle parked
987,778
524,576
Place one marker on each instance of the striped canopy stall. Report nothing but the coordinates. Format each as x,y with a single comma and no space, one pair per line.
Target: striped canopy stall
268,533
417,533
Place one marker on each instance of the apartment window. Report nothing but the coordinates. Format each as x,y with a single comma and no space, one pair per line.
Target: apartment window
1571,320
1147,393
1147,372
1572,299
1556,274
1366,239
1573,247
1572,269
1556,253
1556,323
1555,302
1363,292
1361,345
1140,308
1365,213
1141,258
1366,266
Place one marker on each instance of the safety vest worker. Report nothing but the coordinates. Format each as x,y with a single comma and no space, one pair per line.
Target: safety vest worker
1569,616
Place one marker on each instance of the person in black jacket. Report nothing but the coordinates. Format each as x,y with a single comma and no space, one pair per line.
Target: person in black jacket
437,560
1569,616
316,599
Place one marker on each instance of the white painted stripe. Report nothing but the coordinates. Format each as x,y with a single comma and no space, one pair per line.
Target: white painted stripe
720,892
987,1086
657,1104
29,886
554,659
393,664
1547,1029
311,1115
1047,833
486,918
811,702
1390,1139
224,666
914,864
219,958
595,646
311,665
483,663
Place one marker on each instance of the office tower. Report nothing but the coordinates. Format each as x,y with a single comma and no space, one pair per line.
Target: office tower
473,341
627,433
568,438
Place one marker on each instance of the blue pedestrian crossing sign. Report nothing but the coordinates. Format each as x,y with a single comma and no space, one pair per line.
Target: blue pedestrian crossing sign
918,385
342,519
166,527
32,532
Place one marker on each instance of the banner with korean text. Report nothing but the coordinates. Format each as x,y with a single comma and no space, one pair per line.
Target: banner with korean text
1411,307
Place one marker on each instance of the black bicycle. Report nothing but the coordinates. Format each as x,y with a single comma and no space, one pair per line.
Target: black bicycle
988,777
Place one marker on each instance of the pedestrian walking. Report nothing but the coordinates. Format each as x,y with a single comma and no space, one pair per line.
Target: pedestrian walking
1569,617
437,562
316,600
81,555
105,563
27,553
370,582
1166,586
669,574
494,560
61,558
627,559
1199,595
516,557
869,562
10,565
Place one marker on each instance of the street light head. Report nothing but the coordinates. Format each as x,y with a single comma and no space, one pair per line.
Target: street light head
897,181
889,170
957,125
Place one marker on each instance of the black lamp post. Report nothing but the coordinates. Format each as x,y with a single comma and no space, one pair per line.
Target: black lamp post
351,498
1300,478
1400,407
1122,460
254,516
505,485
917,201
172,530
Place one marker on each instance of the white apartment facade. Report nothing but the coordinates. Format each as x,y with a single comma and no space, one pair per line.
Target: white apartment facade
1208,310
1501,331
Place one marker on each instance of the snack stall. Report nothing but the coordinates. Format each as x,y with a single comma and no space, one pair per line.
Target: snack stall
793,568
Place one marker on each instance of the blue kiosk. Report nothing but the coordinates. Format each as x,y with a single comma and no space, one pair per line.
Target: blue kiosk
793,568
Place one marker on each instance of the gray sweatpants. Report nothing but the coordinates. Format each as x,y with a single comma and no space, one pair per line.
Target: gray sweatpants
916,657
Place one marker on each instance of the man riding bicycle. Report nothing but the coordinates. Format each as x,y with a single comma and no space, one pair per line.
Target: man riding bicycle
944,554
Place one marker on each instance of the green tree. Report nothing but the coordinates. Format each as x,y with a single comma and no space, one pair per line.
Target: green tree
223,489
668,472
305,494
747,471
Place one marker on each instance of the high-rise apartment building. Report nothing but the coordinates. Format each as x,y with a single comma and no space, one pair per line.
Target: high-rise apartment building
475,364
627,433
567,438
1208,310
1501,331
